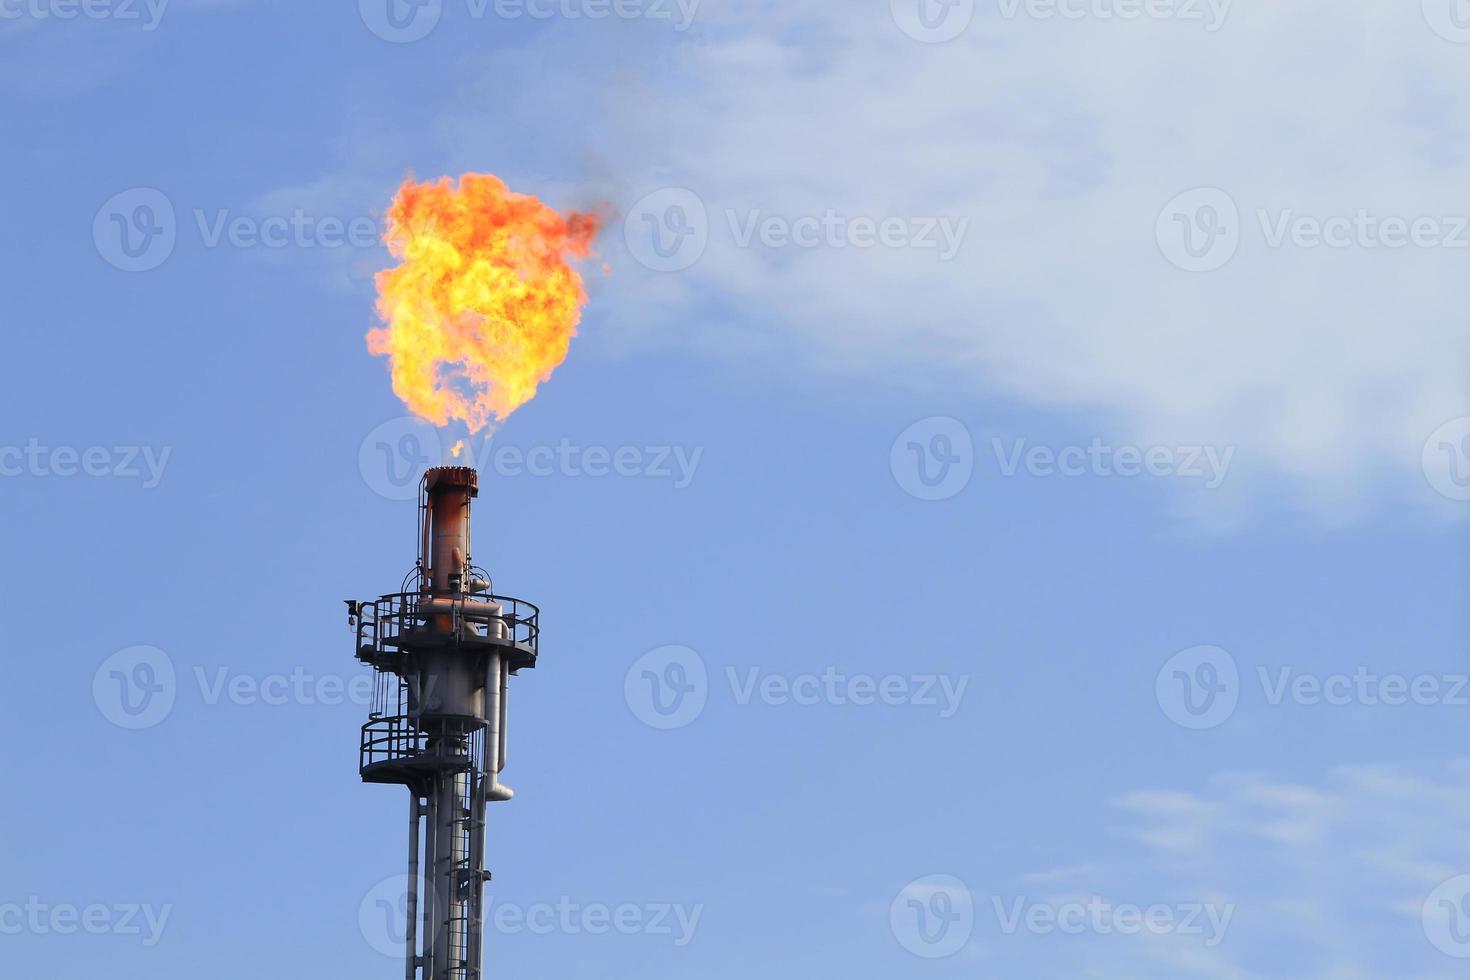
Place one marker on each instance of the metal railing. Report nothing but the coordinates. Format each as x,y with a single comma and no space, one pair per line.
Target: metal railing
390,740
398,739
384,621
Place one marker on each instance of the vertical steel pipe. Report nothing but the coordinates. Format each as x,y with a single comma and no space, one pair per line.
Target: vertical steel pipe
431,911
411,937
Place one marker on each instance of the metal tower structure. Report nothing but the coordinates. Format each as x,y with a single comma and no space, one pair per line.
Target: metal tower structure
442,651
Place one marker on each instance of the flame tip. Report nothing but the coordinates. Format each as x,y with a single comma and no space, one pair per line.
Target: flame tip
483,304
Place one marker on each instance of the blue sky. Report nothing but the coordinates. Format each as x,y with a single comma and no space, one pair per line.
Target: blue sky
1044,447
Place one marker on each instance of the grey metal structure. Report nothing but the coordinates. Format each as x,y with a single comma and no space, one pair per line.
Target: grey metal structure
443,650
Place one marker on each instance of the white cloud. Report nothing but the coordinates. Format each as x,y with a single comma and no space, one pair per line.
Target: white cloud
1061,141
1341,898
1340,895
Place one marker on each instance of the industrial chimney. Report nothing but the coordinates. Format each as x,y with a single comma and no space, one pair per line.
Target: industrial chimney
442,651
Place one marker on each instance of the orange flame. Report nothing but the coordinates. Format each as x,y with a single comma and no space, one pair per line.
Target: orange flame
483,304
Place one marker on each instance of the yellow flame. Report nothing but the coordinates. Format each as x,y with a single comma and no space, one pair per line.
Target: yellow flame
483,304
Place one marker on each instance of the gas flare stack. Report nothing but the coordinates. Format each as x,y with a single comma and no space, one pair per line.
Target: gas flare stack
442,651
